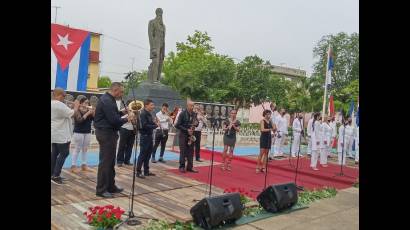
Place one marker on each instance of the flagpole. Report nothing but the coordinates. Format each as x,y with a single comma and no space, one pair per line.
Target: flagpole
326,78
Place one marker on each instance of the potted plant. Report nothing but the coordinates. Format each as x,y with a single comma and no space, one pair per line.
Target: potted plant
104,217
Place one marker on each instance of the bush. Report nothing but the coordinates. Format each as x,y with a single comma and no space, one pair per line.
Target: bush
250,126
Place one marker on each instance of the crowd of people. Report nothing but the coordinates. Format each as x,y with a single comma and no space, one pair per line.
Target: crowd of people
73,123
321,135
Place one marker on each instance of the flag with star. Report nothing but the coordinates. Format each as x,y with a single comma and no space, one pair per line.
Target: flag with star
69,58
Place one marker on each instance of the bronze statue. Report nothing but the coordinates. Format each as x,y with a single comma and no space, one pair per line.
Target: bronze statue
156,34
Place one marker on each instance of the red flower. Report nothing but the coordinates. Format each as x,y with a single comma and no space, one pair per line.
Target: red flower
85,213
99,219
109,206
101,211
108,214
118,215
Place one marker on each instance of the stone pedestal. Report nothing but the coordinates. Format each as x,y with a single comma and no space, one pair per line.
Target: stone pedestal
159,93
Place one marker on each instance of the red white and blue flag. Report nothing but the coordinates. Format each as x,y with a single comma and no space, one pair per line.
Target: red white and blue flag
329,67
69,58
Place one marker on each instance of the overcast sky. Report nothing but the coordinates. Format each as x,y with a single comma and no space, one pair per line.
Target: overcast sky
281,31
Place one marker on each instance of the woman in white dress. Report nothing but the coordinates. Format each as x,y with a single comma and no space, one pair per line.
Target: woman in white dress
327,132
315,139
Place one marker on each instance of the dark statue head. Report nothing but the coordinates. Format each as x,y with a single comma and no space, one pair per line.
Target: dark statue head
158,12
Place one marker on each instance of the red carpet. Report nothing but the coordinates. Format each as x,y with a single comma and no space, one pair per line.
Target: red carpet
279,171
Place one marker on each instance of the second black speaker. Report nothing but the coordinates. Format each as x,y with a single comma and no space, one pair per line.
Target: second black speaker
278,197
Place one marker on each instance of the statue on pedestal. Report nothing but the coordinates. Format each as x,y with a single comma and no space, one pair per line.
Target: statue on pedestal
156,34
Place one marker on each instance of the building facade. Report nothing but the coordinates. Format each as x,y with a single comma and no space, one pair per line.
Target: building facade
94,62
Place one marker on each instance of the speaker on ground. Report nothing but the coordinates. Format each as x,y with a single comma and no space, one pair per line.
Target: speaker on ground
213,211
279,197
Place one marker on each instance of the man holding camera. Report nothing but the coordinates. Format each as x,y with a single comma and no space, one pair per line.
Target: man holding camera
185,125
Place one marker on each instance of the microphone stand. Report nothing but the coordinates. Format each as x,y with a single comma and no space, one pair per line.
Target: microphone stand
213,124
132,219
266,167
290,151
341,163
297,164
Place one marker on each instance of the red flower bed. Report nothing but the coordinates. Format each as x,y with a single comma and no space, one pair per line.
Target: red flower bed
104,216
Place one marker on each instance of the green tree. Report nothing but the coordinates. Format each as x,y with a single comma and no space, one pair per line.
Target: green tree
346,58
104,82
346,63
344,97
345,74
196,71
137,78
298,96
251,82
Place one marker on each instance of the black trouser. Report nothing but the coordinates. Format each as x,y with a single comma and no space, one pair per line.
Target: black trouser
185,151
159,138
145,153
59,153
127,138
197,145
107,140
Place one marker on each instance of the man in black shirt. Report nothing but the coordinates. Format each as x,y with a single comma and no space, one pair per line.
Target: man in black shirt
146,142
186,128
107,122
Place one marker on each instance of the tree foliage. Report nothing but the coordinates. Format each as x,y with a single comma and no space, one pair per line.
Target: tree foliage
104,82
345,72
196,71
135,78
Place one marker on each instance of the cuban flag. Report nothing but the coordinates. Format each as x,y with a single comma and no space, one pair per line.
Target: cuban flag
329,67
69,58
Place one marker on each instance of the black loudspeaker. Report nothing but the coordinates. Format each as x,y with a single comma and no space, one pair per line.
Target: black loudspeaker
213,211
278,197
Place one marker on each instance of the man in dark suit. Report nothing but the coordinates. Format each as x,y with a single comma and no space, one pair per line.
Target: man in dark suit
185,125
146,129
107,122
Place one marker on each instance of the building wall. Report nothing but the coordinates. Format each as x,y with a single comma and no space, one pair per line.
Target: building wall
94,66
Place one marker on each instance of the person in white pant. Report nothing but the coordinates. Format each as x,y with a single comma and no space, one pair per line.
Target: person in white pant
274,118
282,131
343,142
82,133
356,157
333,125
350,132
297,128
326,137
315,139
309,134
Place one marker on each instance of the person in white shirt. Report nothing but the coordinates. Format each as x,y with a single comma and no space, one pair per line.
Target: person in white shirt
126,143
333,125
315,139
161,133
297,128
356,157
61,132
282,131
198,131
326,141
309,135
275,114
